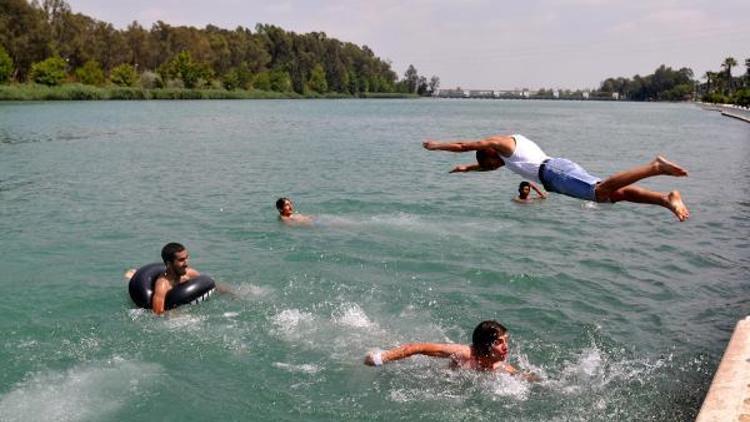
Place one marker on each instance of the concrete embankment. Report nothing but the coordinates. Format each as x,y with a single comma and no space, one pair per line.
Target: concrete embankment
728,399
729,110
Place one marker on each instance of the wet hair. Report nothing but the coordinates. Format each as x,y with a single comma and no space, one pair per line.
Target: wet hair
280,202
485,158
484,335
523,185
170,250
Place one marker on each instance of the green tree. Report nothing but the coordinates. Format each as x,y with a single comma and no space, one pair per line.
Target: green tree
280,81
48,72
434,85
317,81
6,66
729,62
262,81
411,79
184,68
124,75
91,73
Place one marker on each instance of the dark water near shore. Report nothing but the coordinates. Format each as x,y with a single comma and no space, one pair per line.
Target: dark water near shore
622,309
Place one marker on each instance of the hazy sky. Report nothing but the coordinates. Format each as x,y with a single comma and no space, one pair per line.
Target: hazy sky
489,44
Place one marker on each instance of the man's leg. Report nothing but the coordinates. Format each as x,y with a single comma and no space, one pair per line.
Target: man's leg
660,166
671,200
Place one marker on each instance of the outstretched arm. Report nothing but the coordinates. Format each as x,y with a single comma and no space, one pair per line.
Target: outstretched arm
406,350
505,145
466,168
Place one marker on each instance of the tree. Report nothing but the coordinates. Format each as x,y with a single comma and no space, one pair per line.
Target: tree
317,81
49,72
729,62
6,66
434,85
90,73
124,75
411,79
184,68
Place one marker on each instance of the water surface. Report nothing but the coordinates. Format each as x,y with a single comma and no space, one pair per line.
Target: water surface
624,311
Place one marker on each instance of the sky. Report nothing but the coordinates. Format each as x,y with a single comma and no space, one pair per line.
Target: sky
487,44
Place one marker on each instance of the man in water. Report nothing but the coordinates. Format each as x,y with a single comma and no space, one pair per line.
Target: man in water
524,192
488,351
287,215
175,257
524,157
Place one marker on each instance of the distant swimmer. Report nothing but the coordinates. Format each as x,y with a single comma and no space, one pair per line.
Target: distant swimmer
288,216
488,351
560,175
524,193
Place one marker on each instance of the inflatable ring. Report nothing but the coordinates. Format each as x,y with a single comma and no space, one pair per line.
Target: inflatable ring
141,288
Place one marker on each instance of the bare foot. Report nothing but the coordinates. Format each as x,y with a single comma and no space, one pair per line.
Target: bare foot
665,166
674,199
129,274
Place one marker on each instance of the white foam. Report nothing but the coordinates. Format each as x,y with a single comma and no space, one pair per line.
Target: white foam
303,368
351,315
249,291
288,320
86,392
506,385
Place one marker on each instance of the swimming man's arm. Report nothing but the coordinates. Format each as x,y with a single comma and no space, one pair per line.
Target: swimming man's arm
161,287
406,350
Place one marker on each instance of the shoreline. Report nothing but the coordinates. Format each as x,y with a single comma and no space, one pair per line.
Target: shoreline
80,92
729,110
728,398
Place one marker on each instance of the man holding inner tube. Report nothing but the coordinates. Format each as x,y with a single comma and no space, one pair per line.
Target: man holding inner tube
175,257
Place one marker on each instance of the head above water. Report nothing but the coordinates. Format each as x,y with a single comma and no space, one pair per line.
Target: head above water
485,335
524,188
170,251
284,206
489,159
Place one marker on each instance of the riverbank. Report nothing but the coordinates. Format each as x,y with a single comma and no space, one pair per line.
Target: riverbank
78,92
729,110
728,399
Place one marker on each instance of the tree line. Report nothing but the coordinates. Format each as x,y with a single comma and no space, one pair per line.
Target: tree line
667,84
47,43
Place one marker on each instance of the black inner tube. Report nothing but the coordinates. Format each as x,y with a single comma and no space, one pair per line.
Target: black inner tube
141,288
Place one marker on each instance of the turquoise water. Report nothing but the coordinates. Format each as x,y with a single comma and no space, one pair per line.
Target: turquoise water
624,311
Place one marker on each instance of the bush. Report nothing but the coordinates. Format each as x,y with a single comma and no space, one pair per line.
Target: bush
90,73
262,81
742,97
151,80
124,75
6,66
49,72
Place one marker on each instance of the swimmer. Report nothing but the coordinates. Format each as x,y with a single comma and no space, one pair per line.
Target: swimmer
488,351
287,215
524,190
524,157
175,257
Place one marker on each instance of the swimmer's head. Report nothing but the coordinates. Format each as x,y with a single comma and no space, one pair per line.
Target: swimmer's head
524,189
489,159
175,256
489,338
285,207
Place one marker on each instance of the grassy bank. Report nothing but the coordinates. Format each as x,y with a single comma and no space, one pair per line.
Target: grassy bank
33,92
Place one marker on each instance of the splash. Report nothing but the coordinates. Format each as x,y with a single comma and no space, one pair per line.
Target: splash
88,392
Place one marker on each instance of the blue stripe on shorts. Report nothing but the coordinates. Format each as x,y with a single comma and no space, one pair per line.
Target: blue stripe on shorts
568,178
